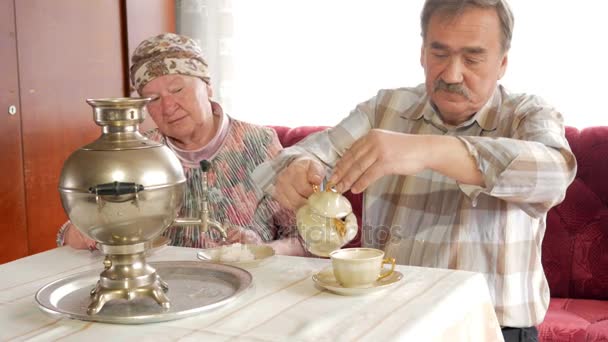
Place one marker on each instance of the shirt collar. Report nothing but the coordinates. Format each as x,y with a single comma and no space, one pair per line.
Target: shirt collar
486,117
192,158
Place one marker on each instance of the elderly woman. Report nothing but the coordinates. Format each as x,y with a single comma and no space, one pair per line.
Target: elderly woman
171,68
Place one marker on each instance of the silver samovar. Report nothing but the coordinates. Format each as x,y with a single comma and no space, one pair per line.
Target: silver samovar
123,190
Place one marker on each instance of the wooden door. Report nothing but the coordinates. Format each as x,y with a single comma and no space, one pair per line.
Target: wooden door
54,55
147,18
13,238
69,50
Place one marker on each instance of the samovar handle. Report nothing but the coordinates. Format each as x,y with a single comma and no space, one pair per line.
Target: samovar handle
116,188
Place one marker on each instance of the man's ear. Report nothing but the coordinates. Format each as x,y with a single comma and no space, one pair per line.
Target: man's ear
422,52
503,65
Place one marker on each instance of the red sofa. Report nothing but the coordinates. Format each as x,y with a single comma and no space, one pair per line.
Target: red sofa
575,247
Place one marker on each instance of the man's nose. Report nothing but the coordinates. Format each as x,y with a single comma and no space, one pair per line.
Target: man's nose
453,71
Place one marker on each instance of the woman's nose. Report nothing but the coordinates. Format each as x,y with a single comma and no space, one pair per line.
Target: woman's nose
168,104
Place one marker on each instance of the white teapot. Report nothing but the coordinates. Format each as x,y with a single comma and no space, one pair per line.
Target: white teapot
326,222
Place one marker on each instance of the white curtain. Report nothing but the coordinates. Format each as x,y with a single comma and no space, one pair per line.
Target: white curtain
209,22
309,62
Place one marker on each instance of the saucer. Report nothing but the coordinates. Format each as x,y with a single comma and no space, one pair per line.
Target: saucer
326,279
256,255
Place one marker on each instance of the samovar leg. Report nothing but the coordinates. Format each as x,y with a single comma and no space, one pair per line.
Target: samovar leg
163,284
94,290
98,301
161,298
106,265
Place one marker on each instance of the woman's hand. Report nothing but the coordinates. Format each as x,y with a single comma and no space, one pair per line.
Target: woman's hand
75,239
234,234
241,235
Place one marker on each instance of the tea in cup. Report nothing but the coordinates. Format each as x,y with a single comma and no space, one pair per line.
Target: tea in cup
360,267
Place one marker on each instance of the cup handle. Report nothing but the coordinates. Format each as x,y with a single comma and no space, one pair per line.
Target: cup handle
386,261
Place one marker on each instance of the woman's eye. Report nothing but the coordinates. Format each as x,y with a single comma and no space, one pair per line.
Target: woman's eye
176,90
153,99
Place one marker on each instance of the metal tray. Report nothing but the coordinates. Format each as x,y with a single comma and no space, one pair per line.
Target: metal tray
194,287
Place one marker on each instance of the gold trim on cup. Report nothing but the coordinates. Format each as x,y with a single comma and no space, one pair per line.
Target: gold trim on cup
384,262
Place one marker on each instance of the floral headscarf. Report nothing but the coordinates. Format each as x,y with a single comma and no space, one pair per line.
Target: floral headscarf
166,54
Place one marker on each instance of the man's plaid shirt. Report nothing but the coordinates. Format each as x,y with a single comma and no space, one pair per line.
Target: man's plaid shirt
430,220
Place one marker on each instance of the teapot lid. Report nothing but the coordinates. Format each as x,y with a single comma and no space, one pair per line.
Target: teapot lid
330,204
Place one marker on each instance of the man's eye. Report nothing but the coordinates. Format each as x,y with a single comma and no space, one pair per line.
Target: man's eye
471,61
176,90
440,55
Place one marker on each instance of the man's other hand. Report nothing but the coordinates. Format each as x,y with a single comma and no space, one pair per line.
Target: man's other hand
377,154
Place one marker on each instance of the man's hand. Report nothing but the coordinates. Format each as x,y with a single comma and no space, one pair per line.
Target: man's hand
381,153
293,185
375,155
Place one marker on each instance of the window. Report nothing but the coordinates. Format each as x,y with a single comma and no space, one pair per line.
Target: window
310,62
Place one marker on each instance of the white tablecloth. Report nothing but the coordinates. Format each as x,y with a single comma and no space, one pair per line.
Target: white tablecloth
283,304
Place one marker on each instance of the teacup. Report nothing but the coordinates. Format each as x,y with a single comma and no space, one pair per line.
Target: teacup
360,267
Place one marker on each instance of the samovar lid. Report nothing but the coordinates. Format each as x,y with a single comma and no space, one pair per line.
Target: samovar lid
120,117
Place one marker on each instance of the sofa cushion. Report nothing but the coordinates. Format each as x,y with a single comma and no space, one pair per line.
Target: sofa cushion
290,136
575,320
575,247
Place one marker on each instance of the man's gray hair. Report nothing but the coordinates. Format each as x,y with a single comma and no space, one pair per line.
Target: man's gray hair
456,7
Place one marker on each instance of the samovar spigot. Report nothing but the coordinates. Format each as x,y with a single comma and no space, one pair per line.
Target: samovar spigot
204,221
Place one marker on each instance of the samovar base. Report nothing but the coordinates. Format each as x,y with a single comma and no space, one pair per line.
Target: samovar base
100,295
127,276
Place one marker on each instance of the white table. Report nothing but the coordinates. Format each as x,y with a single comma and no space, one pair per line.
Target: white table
283,304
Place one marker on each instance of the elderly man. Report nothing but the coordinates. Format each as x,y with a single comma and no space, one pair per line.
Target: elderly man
457,172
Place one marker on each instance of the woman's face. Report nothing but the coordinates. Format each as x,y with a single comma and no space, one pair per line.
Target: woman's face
182,109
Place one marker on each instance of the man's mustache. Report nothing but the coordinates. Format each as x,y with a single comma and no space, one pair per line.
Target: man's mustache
457,88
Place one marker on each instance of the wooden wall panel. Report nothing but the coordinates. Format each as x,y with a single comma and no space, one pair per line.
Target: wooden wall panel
69,50
13,238
147,18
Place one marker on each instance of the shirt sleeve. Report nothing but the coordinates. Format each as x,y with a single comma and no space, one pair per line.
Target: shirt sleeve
325,146
532,168
280,218
60,239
